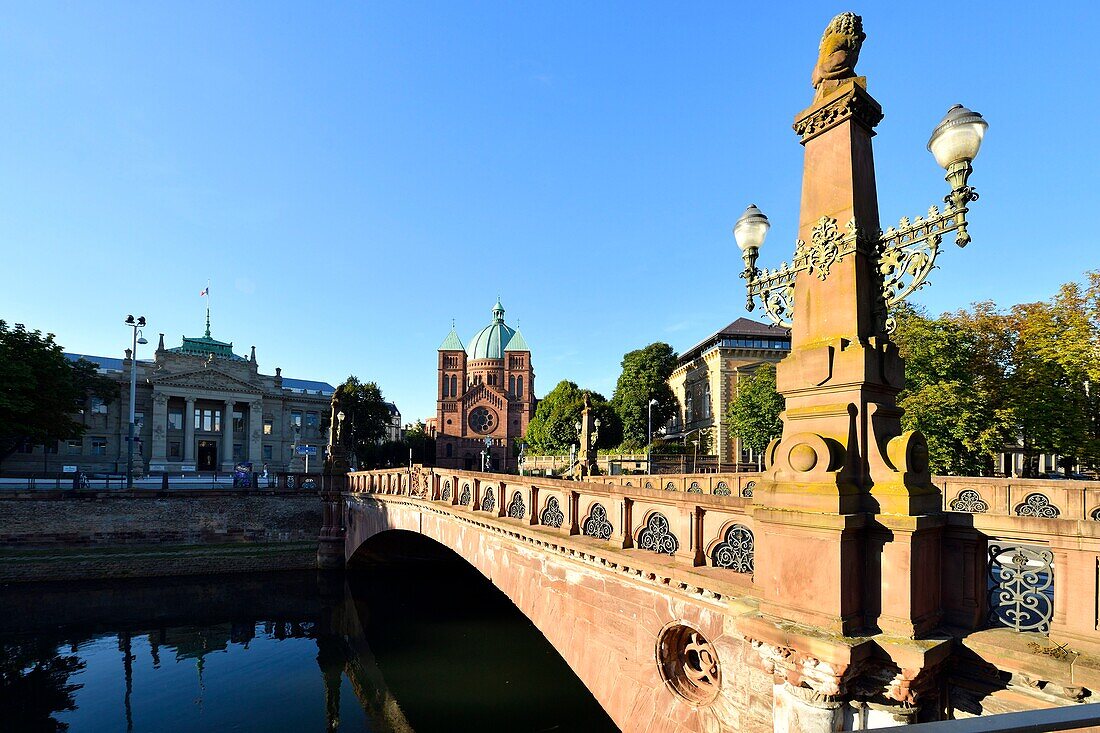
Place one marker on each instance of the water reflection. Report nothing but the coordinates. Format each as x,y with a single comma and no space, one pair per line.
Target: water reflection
412,645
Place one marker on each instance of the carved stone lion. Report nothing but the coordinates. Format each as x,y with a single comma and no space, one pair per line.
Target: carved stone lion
838,53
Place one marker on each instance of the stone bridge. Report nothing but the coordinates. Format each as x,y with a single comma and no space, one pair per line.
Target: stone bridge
648,587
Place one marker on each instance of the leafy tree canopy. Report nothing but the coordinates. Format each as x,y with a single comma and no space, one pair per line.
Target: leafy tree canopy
367,416
644,377
42,393
754,415
552,428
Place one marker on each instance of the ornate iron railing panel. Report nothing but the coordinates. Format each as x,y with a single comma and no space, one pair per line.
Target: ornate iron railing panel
736,550
552,515
596,525
694,488
489,500
969,501
445,495
1021,586
657,536
1037,505
516,508
722,489
747,489
464,499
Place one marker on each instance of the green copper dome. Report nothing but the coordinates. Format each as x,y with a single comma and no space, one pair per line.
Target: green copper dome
490,342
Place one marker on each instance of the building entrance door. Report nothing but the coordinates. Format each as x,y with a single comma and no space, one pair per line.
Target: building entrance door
208,455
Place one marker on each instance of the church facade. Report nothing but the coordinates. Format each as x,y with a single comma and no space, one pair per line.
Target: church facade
485,396
199,408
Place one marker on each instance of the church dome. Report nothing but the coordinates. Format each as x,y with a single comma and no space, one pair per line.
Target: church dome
490,342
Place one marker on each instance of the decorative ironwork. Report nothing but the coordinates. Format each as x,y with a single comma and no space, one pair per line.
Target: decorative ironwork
596,525
735,552
291,482
464,498
747,489
722,489
1021,587
648,485
656,536
309,484
1095,514
446,493
694,488
1037,505
970,501
552,515
489,500
516,508
670,486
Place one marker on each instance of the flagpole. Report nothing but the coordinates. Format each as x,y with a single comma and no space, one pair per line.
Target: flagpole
208,308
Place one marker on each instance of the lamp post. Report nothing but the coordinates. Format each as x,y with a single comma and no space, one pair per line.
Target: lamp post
649,437
135,325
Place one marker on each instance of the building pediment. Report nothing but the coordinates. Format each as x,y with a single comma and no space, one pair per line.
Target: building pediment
210,379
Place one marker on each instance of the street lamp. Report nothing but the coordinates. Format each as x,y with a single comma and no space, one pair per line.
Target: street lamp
136,325
486,456
649,433
905,254
339,425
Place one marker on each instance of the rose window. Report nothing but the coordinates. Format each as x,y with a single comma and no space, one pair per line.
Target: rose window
483,420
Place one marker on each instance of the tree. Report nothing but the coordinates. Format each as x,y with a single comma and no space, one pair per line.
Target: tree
367,416
754,415
552,429
954,386
644,377
41,391
420,443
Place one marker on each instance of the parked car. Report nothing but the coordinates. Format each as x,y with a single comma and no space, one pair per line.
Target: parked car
1055,476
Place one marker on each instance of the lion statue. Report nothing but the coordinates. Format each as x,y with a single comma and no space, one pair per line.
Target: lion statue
838,53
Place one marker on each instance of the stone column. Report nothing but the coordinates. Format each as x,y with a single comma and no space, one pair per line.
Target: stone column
158,460
227,436
255,434
189,433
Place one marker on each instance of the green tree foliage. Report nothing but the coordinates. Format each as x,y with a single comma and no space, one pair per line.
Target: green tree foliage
644,376
367,416
954,387
422,445
754,415
35,684
552,428
41,392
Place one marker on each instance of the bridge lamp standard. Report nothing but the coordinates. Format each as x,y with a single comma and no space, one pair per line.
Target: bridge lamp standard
136,325
906,251
649,437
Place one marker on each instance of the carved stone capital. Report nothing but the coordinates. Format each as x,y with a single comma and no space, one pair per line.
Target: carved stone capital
814,680
850,103
160,399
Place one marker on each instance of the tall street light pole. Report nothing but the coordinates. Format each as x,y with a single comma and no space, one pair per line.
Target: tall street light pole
135,325
649,438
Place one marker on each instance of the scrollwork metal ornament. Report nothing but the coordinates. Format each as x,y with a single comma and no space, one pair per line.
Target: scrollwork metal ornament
596,525
489,500
464,498
552,515
969,501
657,537
736,551
516,507
1037,505
1021,594
722,489
445,495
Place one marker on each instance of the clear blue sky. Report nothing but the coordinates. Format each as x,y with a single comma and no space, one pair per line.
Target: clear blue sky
352,176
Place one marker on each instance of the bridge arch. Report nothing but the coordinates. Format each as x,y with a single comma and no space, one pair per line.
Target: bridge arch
603,612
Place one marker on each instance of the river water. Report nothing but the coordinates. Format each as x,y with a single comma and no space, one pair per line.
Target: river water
416,642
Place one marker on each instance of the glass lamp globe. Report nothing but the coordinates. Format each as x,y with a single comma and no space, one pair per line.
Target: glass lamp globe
597,422
751,228
958,136
577,425
340,416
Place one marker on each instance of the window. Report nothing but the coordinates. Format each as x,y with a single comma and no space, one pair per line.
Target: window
75,446
706,400
99,446
311,419
208,420
689,407
454,385
175,419
450,450
446,386
174,450
296,418
268,452
99,406
269,426
238,452
511,384
238,421
519,386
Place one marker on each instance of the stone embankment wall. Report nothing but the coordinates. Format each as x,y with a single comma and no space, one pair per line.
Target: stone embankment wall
133,535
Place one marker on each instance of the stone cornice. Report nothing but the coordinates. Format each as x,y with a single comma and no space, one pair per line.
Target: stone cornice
848,102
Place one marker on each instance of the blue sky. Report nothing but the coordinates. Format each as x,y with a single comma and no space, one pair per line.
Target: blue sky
351,176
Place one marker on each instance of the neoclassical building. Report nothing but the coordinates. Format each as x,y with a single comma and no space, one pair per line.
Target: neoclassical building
199,407
485,395
706,377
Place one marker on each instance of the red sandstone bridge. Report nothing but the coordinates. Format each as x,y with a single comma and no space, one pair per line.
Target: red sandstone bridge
650,588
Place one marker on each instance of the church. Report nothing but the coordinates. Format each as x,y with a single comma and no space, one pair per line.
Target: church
485,396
